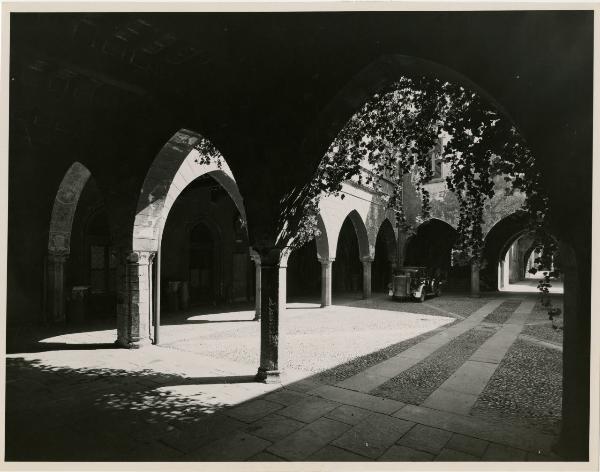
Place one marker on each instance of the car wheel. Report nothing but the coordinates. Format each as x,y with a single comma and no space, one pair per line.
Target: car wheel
422,297
438,291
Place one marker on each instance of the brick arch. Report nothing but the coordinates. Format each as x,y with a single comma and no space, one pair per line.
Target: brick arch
173,169
64,208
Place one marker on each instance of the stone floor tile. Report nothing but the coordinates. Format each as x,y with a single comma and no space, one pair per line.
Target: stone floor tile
450,400
303,386
152,451
492,431
265,457
348,414
535,457
335,454
361,400
308,440
372,436
450,455
237,447
309,409
392,367
468,445
425,438
363,382
274,427
285,396
404,454
202,433
500,452
471,377
253,410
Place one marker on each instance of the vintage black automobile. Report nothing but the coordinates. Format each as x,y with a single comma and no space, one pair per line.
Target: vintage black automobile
415,282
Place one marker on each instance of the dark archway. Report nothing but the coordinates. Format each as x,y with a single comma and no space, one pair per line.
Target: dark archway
431,247
205,254
496,244
385,257
304,272
347,267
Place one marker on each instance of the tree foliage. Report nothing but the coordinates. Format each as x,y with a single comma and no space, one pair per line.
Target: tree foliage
394,133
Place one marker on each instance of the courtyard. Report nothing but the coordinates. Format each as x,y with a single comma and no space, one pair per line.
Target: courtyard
209,214
451,379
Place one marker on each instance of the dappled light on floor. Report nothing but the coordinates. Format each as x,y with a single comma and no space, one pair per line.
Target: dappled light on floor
195,397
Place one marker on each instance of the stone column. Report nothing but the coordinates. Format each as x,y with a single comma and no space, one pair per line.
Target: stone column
55,287
271,306
257,289
576,271
282,286
401,249
366,262
475,279
326,282
136,324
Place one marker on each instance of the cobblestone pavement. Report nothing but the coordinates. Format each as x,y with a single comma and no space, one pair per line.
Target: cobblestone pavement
75,397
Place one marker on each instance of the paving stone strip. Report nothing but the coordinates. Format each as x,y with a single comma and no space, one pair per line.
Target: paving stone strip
379,374
503,313
417,383
459,393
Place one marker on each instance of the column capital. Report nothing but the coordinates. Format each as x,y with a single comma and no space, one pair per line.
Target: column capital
274,257
140,257
326,260
58,256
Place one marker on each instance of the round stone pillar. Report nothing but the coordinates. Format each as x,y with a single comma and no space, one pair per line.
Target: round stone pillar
326,274
272,303
55,287
257,289
135,313
366,263
573,441
475,279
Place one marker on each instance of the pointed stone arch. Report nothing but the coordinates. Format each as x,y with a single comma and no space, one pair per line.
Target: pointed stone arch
365,249
64,208
386,230
176,166
59,239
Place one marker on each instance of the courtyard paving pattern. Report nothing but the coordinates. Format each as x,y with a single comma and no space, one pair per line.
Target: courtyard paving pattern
452,379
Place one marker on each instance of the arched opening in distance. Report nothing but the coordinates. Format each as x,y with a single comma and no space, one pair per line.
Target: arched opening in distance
80,271
431,247
385,257
504,251
304,272
352,245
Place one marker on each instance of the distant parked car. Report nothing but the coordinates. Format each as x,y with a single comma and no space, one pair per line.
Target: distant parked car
415,282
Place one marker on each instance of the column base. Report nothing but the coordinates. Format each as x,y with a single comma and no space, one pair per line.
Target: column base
268,376
133,344
256,318
475,295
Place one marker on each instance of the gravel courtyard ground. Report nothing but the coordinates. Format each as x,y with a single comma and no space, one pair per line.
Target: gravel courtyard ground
526,390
